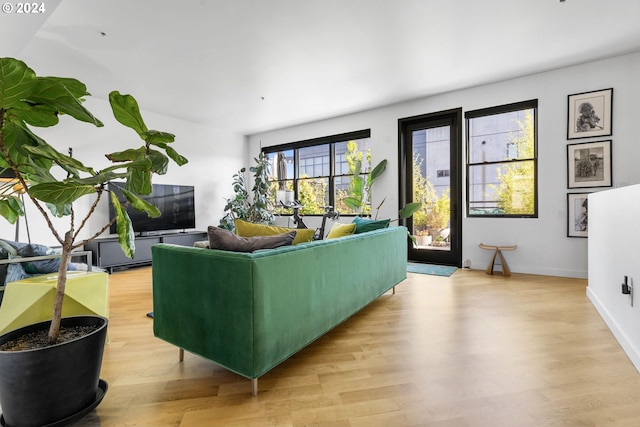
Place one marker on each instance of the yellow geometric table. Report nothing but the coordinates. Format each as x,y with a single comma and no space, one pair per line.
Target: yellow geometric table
30,300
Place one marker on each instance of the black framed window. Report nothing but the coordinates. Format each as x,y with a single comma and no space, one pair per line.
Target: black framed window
502,178
318,172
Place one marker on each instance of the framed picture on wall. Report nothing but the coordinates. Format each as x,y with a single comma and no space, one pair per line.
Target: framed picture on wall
577,215
589,164
590,114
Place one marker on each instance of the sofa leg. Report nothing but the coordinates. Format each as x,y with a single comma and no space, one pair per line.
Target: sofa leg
254,387
394,291
181,356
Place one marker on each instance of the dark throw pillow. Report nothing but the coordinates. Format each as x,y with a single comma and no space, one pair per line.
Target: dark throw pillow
225,240
363,225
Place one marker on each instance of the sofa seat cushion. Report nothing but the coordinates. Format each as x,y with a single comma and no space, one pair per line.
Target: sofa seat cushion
249,229
364,224
226,240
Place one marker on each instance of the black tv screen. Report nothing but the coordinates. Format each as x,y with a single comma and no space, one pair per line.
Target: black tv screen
176,203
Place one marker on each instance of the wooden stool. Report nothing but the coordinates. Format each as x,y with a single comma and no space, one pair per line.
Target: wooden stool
503,262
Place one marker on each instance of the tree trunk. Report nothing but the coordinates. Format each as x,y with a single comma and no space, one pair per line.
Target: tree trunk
54,329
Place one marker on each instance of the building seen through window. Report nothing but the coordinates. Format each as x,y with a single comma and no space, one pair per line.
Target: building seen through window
502,161
319,172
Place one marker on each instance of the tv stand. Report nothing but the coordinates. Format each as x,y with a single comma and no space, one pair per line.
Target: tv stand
108,254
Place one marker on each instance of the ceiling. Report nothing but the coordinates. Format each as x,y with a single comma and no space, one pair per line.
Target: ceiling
247,66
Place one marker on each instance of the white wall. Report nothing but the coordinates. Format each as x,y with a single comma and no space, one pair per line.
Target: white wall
543,247
613,254
214,156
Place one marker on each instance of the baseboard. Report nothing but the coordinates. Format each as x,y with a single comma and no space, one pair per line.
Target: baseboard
632,352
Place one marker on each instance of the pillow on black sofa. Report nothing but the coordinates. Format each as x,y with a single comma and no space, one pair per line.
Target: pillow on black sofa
225,240
12,272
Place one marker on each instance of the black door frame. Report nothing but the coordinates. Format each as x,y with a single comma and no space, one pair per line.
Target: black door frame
406,126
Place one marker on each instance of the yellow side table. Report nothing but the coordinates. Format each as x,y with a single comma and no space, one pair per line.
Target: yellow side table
30,300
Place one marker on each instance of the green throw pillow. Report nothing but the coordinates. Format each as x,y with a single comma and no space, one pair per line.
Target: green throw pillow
363,225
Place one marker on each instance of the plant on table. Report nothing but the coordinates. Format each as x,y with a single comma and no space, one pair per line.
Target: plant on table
53,181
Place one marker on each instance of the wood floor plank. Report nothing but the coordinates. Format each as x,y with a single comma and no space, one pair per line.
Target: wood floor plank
466,350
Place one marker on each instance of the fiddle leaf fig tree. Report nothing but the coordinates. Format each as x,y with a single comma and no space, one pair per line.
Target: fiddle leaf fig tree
360,192
53,181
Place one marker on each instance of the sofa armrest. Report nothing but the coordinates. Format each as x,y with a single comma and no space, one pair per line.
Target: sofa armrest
203,303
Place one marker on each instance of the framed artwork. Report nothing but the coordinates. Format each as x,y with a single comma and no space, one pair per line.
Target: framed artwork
589,164
590,114
577,215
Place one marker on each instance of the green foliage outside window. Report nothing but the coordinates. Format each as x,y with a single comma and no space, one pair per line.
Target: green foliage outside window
313,193
357,199
516,192
435,210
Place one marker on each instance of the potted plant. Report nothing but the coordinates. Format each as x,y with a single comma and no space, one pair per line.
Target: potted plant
360,193
260,209
423,238
53,181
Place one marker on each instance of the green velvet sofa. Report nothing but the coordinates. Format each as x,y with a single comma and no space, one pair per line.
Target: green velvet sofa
248,312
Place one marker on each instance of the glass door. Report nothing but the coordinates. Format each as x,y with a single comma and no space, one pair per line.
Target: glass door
430,174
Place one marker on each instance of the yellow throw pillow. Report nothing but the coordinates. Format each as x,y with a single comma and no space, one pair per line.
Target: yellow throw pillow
341,230
249,229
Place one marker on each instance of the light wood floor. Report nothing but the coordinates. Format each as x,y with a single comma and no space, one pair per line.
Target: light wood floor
468,350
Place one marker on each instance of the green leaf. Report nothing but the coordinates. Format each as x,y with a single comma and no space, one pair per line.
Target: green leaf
11,208
412,238
60,193
17,81
179,159
126,111
126,235
159,162
357,167
157,137
36,115
16,139
173,154
357,186
139,181
59,211
74,86
52,91
410,209
352,203
377,171
127,155
141,205
143,164
69,164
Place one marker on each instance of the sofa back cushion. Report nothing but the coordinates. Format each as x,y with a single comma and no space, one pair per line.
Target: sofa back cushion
249,229
225,240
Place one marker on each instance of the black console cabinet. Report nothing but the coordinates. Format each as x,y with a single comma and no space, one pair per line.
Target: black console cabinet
108,254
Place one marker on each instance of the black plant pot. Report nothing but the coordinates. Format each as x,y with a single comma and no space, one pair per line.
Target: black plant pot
52,385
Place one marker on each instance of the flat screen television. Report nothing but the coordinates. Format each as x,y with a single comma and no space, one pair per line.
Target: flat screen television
176,203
